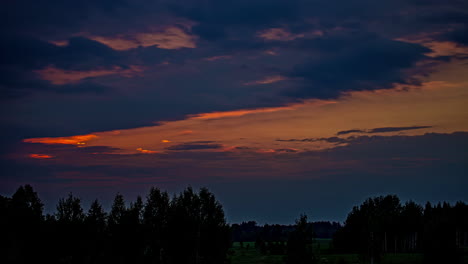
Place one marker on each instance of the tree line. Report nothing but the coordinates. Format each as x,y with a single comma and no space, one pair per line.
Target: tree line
383,225
187,228
251,231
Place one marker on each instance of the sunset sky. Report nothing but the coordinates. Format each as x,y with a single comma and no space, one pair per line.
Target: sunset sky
278,107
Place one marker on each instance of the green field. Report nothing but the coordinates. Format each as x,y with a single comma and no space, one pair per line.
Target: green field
249,255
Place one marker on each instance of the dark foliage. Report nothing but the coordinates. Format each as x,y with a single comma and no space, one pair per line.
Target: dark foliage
383,225
189,228
299,247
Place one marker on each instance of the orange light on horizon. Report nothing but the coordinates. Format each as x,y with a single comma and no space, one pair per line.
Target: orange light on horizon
235,113
73,140
141,150
40,156
165,141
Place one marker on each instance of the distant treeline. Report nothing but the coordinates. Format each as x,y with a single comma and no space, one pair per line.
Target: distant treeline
383,225
250,231
189,228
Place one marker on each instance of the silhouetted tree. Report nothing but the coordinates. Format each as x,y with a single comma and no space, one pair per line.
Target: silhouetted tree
382,225
199,233
96,233
440,230
299,247
411,227
132,230
69,210
96,218
155,217
23,223
116,230
70,231
118,211
371,229
214,233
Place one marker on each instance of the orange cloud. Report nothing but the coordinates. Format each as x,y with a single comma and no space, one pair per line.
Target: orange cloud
235,113
40,156
185,132
60,43
266,151
438,103
165,141
59,76
73,140
279,34
167,38
268,80
271,52
146,151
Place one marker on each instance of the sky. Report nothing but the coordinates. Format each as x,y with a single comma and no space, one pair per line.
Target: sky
278,107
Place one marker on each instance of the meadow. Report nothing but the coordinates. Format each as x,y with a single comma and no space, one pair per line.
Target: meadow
248,254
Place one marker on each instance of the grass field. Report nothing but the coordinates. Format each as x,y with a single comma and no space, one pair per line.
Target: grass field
249,255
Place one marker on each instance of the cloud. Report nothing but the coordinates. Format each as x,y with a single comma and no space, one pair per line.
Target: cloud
194,146
73,140
381,130
459,36
278,34
344,132
40,156
59,76
336,140
267,80
286,150
171,37
242,112
424,147
145,151
394,129
354,139
149,31
220,57
356,62
26,61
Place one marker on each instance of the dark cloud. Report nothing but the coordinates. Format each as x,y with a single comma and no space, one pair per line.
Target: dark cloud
80,54
395,129
194,146
431,145
381,130
459,36
354,51
329,140
286,150
344,132
363,62
22,57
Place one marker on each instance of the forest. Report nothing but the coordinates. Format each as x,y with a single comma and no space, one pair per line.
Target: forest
191,227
